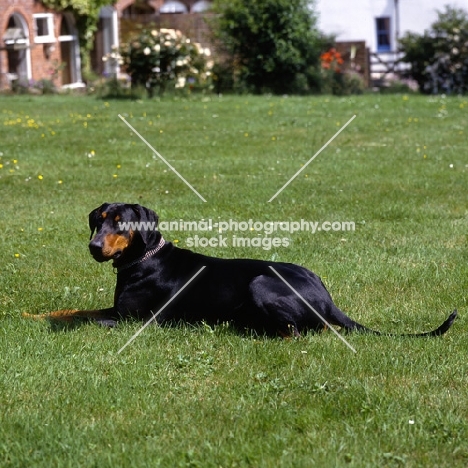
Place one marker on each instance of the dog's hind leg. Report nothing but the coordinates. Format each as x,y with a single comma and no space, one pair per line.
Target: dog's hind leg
277,311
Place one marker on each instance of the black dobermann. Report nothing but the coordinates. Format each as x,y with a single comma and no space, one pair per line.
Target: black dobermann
267,297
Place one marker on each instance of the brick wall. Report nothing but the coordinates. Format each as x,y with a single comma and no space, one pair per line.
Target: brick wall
43,58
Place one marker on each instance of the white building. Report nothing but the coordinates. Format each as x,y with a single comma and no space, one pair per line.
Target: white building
379,22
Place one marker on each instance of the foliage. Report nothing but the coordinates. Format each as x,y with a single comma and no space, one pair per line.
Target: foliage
42,86
86,13
336,80
439,57
156,58
274,45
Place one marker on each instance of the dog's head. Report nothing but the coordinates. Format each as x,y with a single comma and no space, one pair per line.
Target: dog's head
123,232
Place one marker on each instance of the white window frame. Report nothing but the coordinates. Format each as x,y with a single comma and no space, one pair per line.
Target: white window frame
49,19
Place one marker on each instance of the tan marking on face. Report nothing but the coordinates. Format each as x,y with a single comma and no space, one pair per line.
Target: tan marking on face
104,215
114,243
117,218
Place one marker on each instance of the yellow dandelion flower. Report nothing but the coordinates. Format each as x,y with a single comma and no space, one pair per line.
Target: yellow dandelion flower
17,255
118,166
15,161
40,229
60,182
40,177
115,176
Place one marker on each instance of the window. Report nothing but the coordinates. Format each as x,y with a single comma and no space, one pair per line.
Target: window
383,34
44,25
173,6
201,6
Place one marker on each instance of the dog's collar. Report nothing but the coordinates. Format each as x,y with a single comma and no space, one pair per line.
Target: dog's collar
145,257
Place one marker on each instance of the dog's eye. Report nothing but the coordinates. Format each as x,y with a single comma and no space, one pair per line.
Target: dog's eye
117,218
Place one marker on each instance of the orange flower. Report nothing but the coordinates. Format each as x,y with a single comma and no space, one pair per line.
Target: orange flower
331,60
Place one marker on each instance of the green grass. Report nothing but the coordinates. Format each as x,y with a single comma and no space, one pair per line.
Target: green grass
211,398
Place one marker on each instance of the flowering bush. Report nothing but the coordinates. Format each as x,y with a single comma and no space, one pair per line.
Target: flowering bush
439,57
331,60
332,78
156,58
336,80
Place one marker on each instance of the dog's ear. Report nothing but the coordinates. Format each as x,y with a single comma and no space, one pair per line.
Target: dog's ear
94,217
145,215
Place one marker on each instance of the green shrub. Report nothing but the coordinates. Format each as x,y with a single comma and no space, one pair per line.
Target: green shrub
439,57
335,79
158,59
273,45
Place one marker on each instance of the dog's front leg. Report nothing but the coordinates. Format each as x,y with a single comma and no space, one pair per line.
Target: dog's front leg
68,315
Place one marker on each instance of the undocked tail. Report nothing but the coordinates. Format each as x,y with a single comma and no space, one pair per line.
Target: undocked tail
442,329
350,325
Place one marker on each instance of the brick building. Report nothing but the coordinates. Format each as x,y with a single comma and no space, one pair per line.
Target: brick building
37,44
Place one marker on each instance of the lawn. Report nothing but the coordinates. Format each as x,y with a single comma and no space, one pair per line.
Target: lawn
210,397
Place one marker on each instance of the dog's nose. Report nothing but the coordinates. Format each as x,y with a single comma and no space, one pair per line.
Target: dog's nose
95,247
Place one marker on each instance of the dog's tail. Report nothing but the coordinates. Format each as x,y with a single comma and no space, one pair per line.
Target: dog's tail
440,330
342,320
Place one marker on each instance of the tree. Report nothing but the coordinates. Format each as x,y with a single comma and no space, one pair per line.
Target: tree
439,57
273,45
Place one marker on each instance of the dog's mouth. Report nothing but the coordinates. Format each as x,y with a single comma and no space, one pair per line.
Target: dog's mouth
117,254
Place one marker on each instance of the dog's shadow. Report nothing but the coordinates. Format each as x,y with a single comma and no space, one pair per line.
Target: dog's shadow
67,326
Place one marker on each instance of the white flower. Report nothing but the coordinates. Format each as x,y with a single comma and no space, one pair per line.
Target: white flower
180,82
146,50
207,52
157,48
